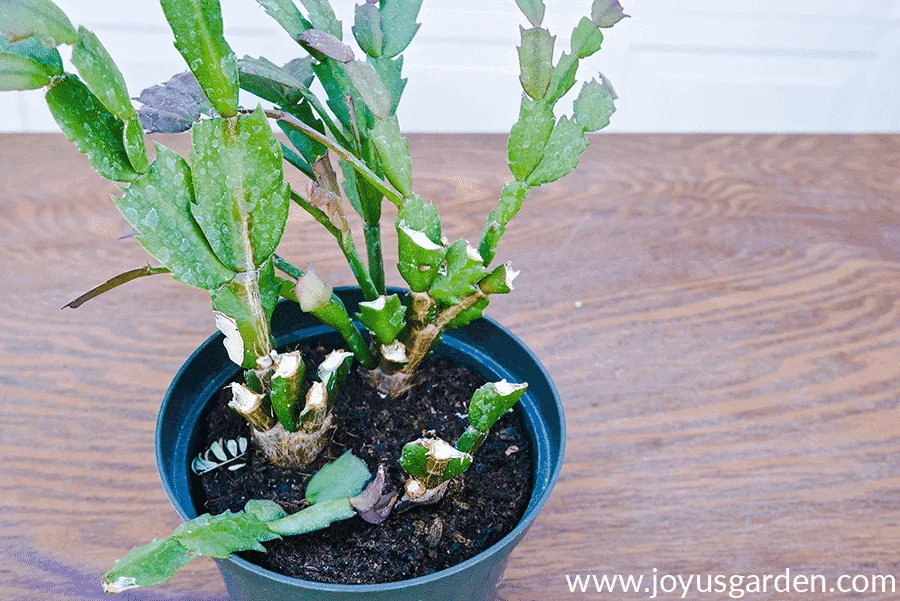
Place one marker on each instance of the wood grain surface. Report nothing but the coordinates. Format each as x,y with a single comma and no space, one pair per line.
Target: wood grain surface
720,314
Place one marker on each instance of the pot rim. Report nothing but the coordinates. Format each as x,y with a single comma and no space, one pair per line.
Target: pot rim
526,521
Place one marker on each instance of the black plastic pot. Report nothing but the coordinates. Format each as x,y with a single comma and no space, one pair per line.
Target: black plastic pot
484,346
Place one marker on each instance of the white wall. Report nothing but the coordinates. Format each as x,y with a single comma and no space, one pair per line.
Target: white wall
686,65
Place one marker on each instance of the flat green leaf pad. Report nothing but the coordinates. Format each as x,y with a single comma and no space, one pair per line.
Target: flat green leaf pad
94,130
393,151
147,565
465,267
318,517
391,73
367,29
287,386
433,461
606,13
267,80
421,216
287,14
563,77
48,58
595,105
385,317
267,511
536,61
133,138
241,196
323,18
399,24
491,401
21,19
19,72
223,534
419,243
333,371
529,136
586,38
533,10
241,300
101,75
344,477
420,257
562,153
158,205
370,87
197,25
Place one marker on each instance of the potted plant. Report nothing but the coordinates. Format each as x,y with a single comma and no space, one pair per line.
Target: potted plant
365,434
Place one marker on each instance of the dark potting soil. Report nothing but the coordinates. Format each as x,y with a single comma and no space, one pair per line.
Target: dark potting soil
479,509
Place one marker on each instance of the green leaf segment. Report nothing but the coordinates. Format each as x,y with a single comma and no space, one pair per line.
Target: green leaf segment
197,25
39,19
105,81
27,65
542,149
432,462
328,493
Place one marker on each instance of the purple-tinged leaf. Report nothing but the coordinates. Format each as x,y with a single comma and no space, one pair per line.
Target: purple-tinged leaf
327,44
173,106
606,13
375,503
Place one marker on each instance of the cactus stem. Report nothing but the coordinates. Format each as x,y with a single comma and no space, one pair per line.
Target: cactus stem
360,167
335,221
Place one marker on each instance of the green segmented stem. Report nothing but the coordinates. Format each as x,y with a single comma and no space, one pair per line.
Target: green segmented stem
471,440
287,387
360,167
332,313
375,255
335,315
345,241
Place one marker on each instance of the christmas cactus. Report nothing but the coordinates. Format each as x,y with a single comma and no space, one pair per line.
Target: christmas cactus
214,219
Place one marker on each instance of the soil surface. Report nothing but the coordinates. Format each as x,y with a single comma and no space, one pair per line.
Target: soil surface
480,507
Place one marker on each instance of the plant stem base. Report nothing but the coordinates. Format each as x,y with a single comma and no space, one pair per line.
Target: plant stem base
393,385
292,449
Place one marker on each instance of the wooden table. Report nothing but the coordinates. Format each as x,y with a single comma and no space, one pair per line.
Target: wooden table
720,314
